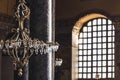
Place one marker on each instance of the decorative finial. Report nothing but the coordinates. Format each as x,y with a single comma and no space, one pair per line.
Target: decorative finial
22,1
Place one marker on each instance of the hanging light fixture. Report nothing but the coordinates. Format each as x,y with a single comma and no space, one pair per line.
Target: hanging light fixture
20,47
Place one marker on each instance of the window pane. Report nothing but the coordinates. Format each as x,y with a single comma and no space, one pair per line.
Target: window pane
103,75
94,22
104,27
99,28
89,29
94,34
84,29
99,21
89,35
89,75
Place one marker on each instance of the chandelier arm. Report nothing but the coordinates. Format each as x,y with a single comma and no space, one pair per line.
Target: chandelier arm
14,35
16,53
25,36
17,37
9,54
24,53
13,54
20,47
28,57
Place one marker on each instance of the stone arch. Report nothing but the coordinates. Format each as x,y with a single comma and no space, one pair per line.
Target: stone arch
75,33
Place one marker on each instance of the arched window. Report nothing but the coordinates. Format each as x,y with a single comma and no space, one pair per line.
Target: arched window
96,50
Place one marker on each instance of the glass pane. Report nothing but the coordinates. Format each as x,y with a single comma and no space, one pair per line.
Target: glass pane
104,63
104,33
85,46
84,58
109,51
99,63
99,46
99,28
89,58
80,75
89,64
80,40
99,34
85,40
104,45
99,21
89,52
94,75
109,39
89,75
94,45
94,51
94,34
99,69
103,75
104,27
109,22
103,21
109,27
80,58
94,69
99,58
94,28
89,40
113,33
85,52
80,46
104,39
81,34
94,58
104,69
89,69
80,64
109,58
110,64
94,40
84,29
109,45
113,75
85,35
109,75
94,22
80,69
84,64
89,23
104,51
99,51
89,46
94,63
104,58
109,33
89,35
89,29
84,75
99,39
80,52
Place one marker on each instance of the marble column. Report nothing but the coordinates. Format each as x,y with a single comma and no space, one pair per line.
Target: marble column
42,27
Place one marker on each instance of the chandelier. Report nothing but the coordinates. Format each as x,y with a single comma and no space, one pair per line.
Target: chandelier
20,47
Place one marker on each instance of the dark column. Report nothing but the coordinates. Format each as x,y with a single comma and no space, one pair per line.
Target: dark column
0,64
40,64
117,47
